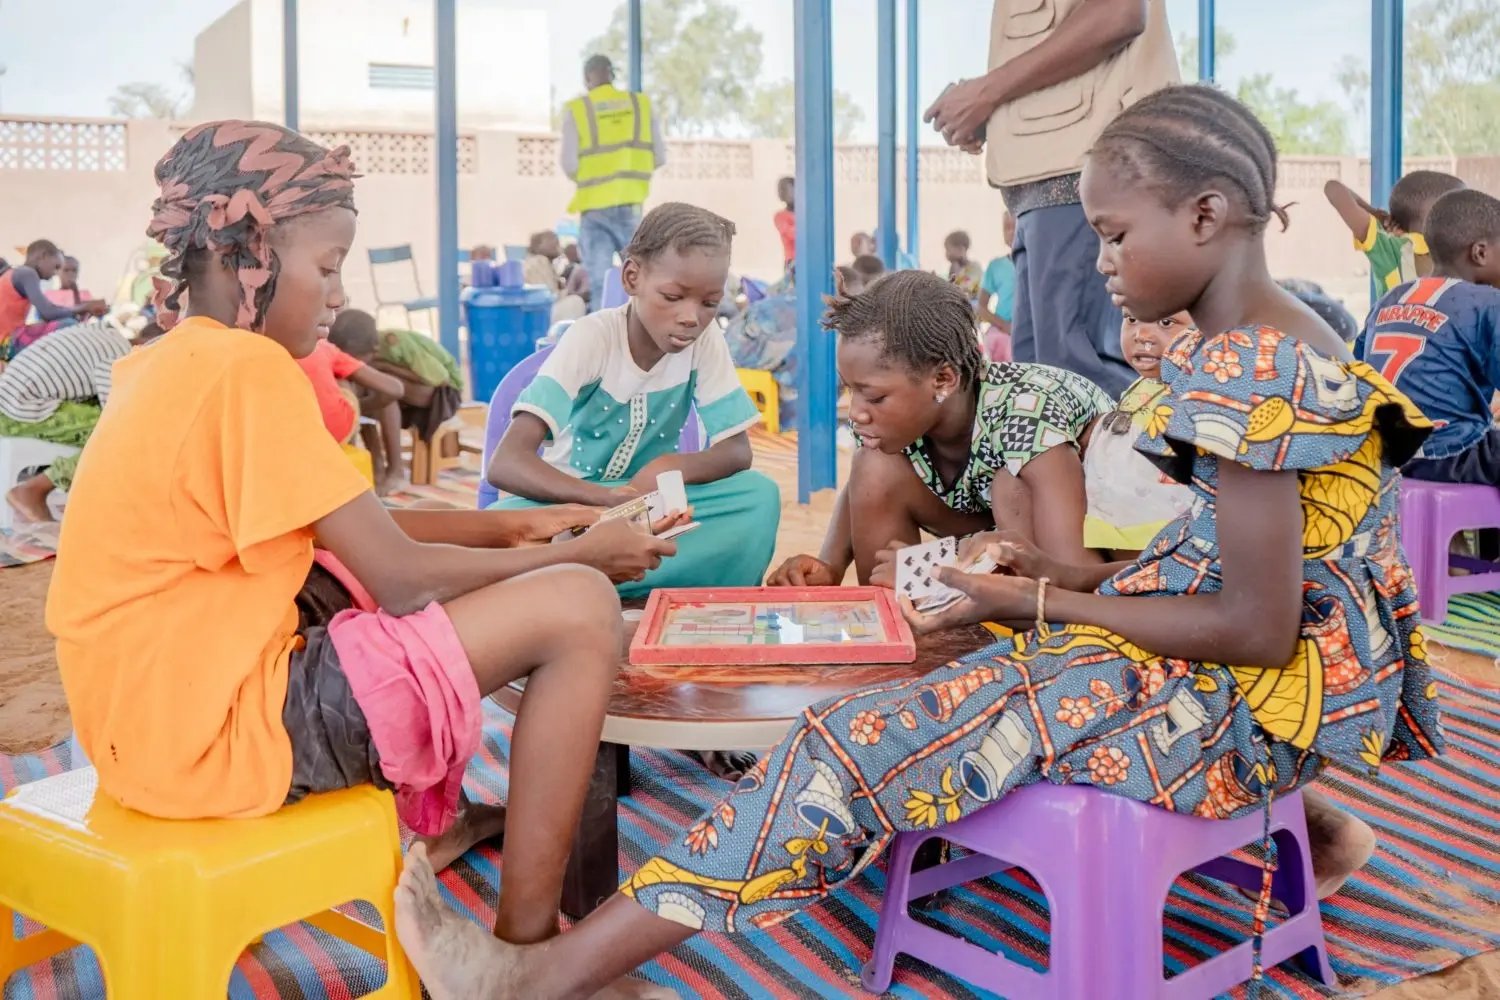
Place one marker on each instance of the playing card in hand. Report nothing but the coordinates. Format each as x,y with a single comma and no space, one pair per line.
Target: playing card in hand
915,569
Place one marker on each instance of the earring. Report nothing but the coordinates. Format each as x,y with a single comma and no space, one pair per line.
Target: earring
940,398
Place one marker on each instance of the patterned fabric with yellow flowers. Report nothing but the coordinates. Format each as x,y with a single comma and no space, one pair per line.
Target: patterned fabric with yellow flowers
1082,705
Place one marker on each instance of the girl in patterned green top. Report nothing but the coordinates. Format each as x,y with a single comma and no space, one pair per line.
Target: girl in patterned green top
950,444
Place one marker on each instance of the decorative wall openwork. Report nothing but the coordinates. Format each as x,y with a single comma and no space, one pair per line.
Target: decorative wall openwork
62,145
377,152
709,161
537,156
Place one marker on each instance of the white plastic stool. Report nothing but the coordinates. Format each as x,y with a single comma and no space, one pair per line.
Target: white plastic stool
18,454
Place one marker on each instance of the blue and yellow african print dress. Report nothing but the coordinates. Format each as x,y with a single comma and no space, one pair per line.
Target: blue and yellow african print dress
1083,705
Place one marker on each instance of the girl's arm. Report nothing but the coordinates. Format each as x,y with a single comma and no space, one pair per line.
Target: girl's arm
515,467
374,379
1253,620
493,529
719,461
1058,503
405,575
29,284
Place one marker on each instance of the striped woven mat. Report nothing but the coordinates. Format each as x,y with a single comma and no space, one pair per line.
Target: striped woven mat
1473,623
1430,897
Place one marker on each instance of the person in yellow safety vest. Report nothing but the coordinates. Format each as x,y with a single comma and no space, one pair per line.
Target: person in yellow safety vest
611,145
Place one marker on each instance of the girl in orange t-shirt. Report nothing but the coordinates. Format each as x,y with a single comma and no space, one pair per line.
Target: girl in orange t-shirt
206,670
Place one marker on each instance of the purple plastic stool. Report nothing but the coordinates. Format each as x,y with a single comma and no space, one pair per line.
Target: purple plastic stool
1106,864
1431,514
504,400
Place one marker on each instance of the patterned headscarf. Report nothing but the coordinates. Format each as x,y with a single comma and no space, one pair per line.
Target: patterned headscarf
223,186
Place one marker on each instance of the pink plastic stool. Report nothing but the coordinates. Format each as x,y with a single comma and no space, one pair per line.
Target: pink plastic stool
1431,514
1106,864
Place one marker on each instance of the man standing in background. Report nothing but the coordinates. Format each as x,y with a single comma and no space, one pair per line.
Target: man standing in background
611,145
1060,70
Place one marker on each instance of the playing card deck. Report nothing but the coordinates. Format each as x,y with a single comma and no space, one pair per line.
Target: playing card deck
916,569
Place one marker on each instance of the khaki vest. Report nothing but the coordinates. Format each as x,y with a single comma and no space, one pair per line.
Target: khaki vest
1046,133
615,154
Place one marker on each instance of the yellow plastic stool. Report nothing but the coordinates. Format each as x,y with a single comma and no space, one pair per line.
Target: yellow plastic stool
362,460
766,395
169,905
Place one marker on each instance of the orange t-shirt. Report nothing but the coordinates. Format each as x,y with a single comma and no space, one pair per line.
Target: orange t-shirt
187,538
324,367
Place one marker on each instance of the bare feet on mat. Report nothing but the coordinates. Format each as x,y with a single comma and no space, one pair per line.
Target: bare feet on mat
630,988
1340,842
457,959
391,483
27,503
475,824
730,765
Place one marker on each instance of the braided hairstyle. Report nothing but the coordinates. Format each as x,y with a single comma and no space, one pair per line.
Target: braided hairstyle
224,186
922,321
678,226
1180,139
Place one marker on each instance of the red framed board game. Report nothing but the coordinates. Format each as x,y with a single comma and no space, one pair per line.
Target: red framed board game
696,626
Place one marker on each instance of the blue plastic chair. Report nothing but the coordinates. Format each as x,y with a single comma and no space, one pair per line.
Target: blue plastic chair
516,251
504,401
385,257
614,290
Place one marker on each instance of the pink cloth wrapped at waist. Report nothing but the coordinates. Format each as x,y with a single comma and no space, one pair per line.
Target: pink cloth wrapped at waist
412,679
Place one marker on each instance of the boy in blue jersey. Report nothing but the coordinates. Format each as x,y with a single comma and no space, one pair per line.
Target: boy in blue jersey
1438,339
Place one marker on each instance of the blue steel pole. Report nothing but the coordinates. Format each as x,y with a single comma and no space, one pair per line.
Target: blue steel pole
1206,40
291,100
635,46
886,112
817,409
913,122
445,24
1385,97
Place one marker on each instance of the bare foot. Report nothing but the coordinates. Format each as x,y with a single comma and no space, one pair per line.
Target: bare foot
391,483
456,959
728,764
475,824
1340,842
630,988
27,502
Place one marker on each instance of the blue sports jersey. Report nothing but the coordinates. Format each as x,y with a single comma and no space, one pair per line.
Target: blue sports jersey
1438,341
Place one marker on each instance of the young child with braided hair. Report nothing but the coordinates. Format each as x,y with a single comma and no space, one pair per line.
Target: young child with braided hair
1122,685
207,672
950,444
610,402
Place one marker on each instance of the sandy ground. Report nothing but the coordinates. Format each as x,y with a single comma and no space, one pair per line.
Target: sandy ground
34,714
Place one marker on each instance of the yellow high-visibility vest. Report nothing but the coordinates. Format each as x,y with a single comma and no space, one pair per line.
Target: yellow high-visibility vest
615,155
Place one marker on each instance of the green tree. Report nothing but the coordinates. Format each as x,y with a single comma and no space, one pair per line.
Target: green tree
702,65
1451,76
146,100
1299,126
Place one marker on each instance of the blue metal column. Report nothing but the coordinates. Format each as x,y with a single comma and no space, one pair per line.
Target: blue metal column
446,140
635,46
817,409
1206,40
886,113
913,123
1386,25
290,98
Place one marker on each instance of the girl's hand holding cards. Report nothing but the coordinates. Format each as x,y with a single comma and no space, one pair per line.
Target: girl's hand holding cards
983,598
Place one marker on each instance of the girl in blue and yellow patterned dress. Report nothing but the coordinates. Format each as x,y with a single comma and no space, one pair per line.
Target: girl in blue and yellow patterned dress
1268,632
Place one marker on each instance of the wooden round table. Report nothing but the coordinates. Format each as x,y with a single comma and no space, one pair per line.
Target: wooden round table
733,707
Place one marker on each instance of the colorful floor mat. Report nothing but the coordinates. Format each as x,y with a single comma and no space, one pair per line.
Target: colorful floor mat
1473,623
1430,897
27,543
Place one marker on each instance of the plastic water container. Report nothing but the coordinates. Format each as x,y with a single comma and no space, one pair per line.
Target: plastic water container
504,326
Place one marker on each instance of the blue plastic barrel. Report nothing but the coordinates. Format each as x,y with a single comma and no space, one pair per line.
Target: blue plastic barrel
504,326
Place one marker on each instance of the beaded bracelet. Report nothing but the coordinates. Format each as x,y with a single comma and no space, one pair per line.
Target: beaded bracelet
1042,631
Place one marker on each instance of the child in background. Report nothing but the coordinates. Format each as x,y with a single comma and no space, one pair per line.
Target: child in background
950,444
541,269
431,384
206,671
21,291
53,391
67,293
997,297
963,272
1393,241
786,220
867,267
328,367
610,402
379,395
575,275
862,244
1271,422
1130,499
1438,340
